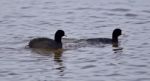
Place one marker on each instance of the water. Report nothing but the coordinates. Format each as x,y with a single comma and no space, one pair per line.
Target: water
22,20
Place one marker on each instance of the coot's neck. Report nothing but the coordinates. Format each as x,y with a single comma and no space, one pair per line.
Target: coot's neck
115,39
58,39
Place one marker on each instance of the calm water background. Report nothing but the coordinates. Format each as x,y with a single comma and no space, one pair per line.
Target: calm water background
22,20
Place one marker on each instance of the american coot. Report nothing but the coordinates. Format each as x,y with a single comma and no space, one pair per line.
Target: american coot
48,43
116,33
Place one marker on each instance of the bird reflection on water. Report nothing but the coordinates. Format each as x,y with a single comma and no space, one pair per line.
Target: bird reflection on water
117,52
57,57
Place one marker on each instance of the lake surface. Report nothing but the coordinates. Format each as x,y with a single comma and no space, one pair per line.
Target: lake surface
23,20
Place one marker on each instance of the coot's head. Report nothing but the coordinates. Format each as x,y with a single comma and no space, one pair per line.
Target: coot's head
60,33
117,32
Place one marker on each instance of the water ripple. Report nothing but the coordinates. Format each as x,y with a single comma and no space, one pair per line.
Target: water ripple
121,9
88,67
131,15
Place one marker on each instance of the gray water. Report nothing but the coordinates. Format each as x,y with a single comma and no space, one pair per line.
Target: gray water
23,20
